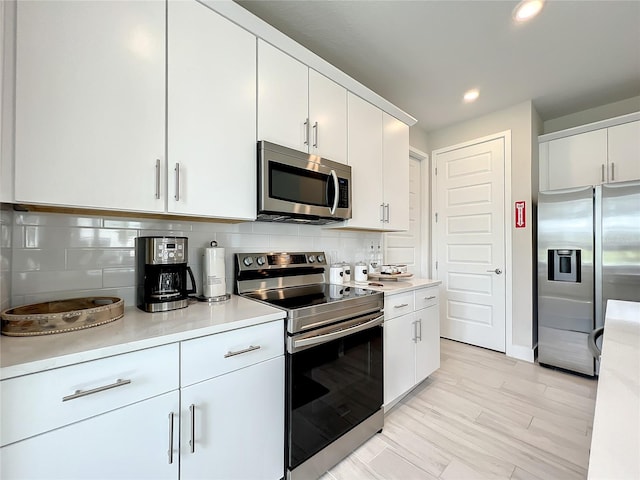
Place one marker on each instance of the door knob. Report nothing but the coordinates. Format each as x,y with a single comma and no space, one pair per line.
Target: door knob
497,271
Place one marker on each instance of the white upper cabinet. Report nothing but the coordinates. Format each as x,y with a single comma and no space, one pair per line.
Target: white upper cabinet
624,152
365,159
90,106
604,155
378,150
395,171
211,137
300,108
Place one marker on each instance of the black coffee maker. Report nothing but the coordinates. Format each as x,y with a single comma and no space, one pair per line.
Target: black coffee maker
161,273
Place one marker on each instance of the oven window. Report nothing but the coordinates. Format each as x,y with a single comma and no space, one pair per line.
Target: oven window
330,389
299,185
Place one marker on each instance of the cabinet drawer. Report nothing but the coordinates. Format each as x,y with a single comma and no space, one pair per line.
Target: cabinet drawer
426,297
208,357
396,305
43,401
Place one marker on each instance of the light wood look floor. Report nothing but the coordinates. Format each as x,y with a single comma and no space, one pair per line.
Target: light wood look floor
482,415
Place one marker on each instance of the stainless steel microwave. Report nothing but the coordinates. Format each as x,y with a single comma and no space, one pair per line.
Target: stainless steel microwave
297,187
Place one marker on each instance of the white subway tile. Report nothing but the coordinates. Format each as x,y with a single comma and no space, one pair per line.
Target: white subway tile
274,228
35,282
163,233
5,235
119,277
125,293
150,224
289,243
35,259
17,237
56,220
88,258
244,242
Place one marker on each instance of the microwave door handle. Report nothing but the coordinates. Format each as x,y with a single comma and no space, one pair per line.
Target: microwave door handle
335,192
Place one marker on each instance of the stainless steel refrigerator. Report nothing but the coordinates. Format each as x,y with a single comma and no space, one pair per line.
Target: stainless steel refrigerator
588,253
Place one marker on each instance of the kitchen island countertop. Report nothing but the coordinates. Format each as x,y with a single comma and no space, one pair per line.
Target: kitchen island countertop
135,331
615,442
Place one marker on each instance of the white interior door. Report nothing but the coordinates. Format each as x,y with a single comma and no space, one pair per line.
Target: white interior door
470,242
406,247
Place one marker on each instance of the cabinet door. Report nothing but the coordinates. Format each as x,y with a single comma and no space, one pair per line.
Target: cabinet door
327,117
399,356
428,345
211,114
90,96
131,442
283,105
578,160
624,152
365,158
395,170
239,425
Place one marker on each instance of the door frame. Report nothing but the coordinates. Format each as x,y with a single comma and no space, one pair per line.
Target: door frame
423,158
511,350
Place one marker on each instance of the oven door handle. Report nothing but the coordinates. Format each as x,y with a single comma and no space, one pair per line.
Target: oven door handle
295,345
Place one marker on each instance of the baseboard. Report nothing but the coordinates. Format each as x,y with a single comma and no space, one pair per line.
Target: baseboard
521,353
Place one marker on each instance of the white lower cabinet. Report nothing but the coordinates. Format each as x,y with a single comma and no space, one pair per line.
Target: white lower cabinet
233,425
131,442
129,417
411,341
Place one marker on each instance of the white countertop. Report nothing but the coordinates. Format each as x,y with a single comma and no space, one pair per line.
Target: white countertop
135,331
390,287
615,444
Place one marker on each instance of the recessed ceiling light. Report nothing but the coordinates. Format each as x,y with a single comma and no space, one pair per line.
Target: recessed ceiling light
471,95
527,9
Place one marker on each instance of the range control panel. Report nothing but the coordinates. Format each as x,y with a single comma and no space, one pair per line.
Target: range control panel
263,261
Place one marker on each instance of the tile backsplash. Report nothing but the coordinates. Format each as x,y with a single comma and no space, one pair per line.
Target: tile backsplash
50,256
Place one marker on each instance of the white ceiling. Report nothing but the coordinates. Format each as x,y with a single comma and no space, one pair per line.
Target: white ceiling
422,55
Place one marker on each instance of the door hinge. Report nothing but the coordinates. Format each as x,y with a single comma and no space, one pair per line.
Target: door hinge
436,264
436,217
436,170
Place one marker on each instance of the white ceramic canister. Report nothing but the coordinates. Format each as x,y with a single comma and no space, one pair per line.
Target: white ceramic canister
346,272
213,272
336,274
360,272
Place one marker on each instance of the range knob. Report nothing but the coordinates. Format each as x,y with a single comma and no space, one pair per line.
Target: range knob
312,258
321,258
248,261
260,260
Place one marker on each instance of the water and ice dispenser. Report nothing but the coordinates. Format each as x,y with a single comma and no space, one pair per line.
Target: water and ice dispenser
564,265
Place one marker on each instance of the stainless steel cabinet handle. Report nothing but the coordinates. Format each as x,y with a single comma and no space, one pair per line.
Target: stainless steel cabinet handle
602,170
192,440
80,393
170,452
306,132
177,170
387,208
613,171
158,178
402,305
430,298
315,134
497,271
382,212
251,348
419,335
415,332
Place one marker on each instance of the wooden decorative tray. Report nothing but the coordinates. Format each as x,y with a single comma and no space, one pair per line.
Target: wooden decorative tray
390,276
61,316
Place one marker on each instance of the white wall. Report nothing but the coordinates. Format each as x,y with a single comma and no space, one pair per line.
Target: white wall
57,256
591,115
518,119
418,138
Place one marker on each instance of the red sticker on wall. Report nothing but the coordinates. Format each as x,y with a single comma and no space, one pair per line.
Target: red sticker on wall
521,218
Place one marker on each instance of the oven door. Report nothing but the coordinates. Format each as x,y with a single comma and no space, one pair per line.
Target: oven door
334,382
297,184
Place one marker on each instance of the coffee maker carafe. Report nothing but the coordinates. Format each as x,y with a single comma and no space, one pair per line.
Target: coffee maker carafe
161,273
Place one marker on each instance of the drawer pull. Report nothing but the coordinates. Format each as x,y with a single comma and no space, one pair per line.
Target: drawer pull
430,298
402,305
251,348
80,393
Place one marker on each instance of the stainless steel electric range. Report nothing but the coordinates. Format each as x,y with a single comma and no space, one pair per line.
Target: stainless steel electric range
334,363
